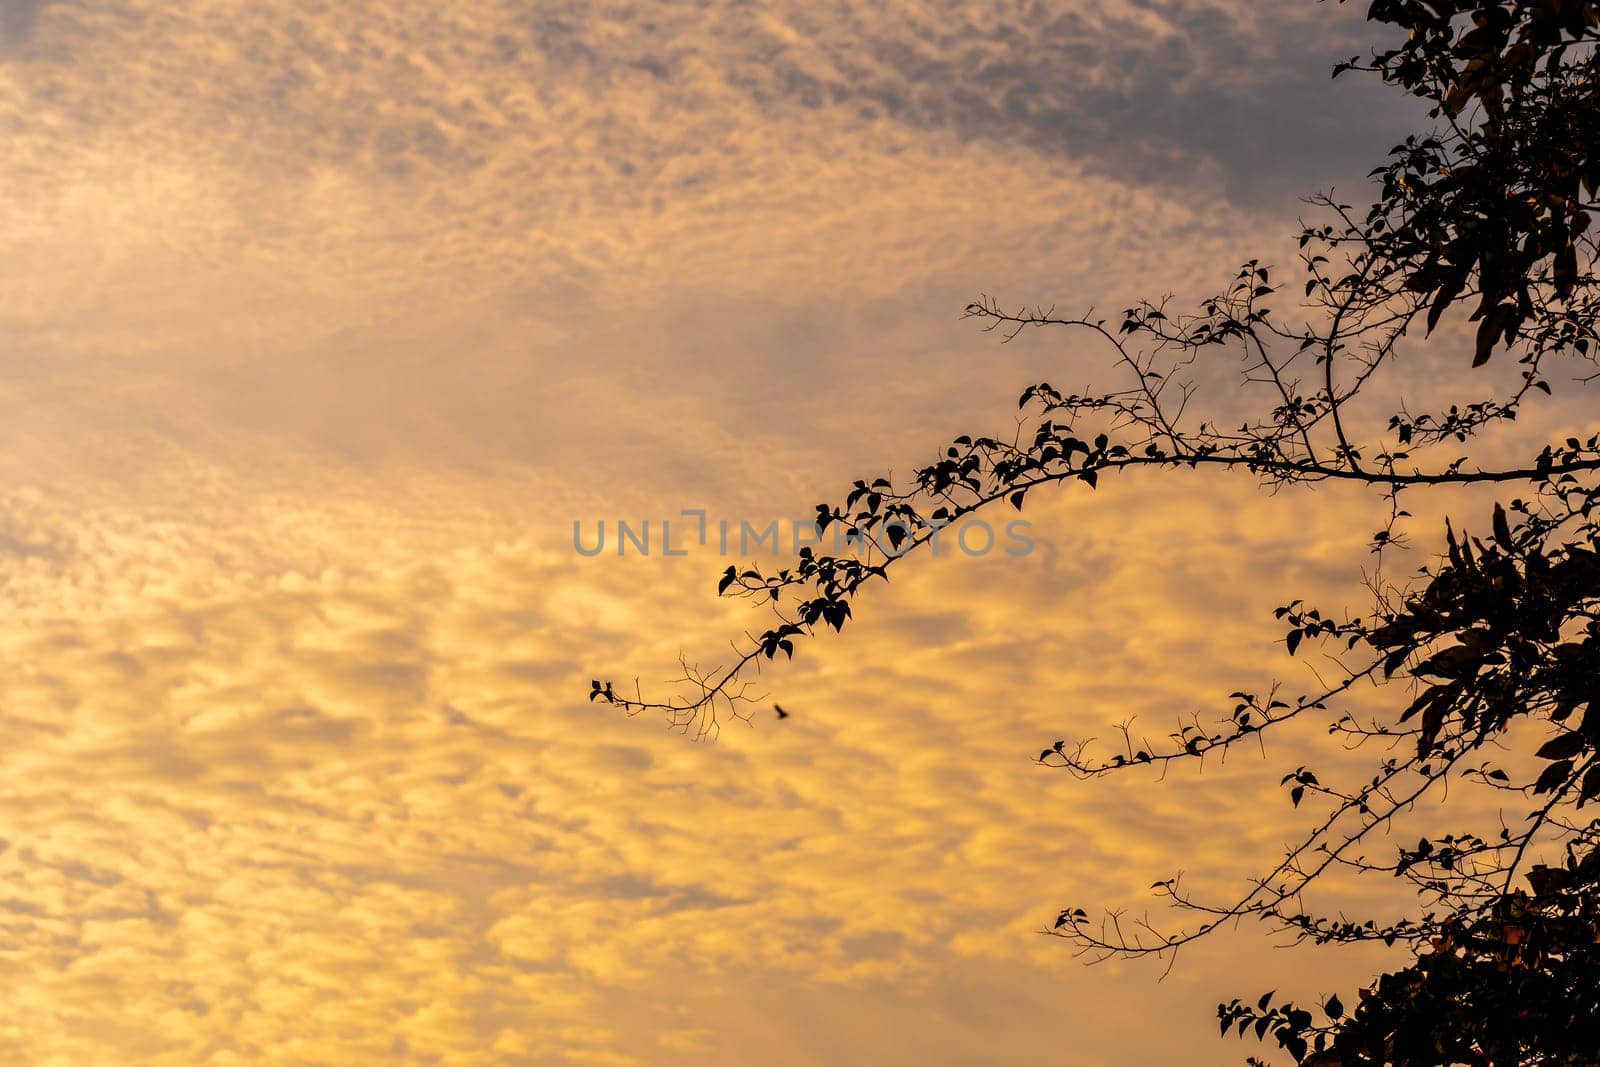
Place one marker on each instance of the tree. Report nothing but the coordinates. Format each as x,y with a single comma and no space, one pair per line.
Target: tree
1494,648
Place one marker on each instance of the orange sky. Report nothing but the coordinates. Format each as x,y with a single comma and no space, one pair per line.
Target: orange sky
320,325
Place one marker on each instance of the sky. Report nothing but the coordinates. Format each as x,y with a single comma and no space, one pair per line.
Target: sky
320,326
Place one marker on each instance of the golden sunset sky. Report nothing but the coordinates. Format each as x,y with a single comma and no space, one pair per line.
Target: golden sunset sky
321,324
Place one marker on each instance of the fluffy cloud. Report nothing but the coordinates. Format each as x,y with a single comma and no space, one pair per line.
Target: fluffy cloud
364,815
320,328
479,232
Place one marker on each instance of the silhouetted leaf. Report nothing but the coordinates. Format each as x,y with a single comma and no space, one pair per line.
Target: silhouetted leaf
1563,747
1553,777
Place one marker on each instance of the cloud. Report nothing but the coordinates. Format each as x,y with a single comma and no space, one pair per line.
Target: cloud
469,236
18,20
314,805
320,329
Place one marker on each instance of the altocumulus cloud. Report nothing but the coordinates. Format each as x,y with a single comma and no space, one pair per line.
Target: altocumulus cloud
322,323
361,814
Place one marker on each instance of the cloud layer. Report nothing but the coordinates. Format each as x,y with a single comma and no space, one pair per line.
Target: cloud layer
320,326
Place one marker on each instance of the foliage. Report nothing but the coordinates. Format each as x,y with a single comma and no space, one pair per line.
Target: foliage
1487,216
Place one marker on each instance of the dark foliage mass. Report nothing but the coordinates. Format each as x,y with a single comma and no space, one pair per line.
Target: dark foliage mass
1492,654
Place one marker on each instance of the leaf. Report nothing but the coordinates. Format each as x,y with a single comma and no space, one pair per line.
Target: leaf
1432,722
1448,290
1564,747
1553,777
1453,662
1590,789
1489,331
1429,695
1393,660
1294,639
1333,1007
1502,528
1565,271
